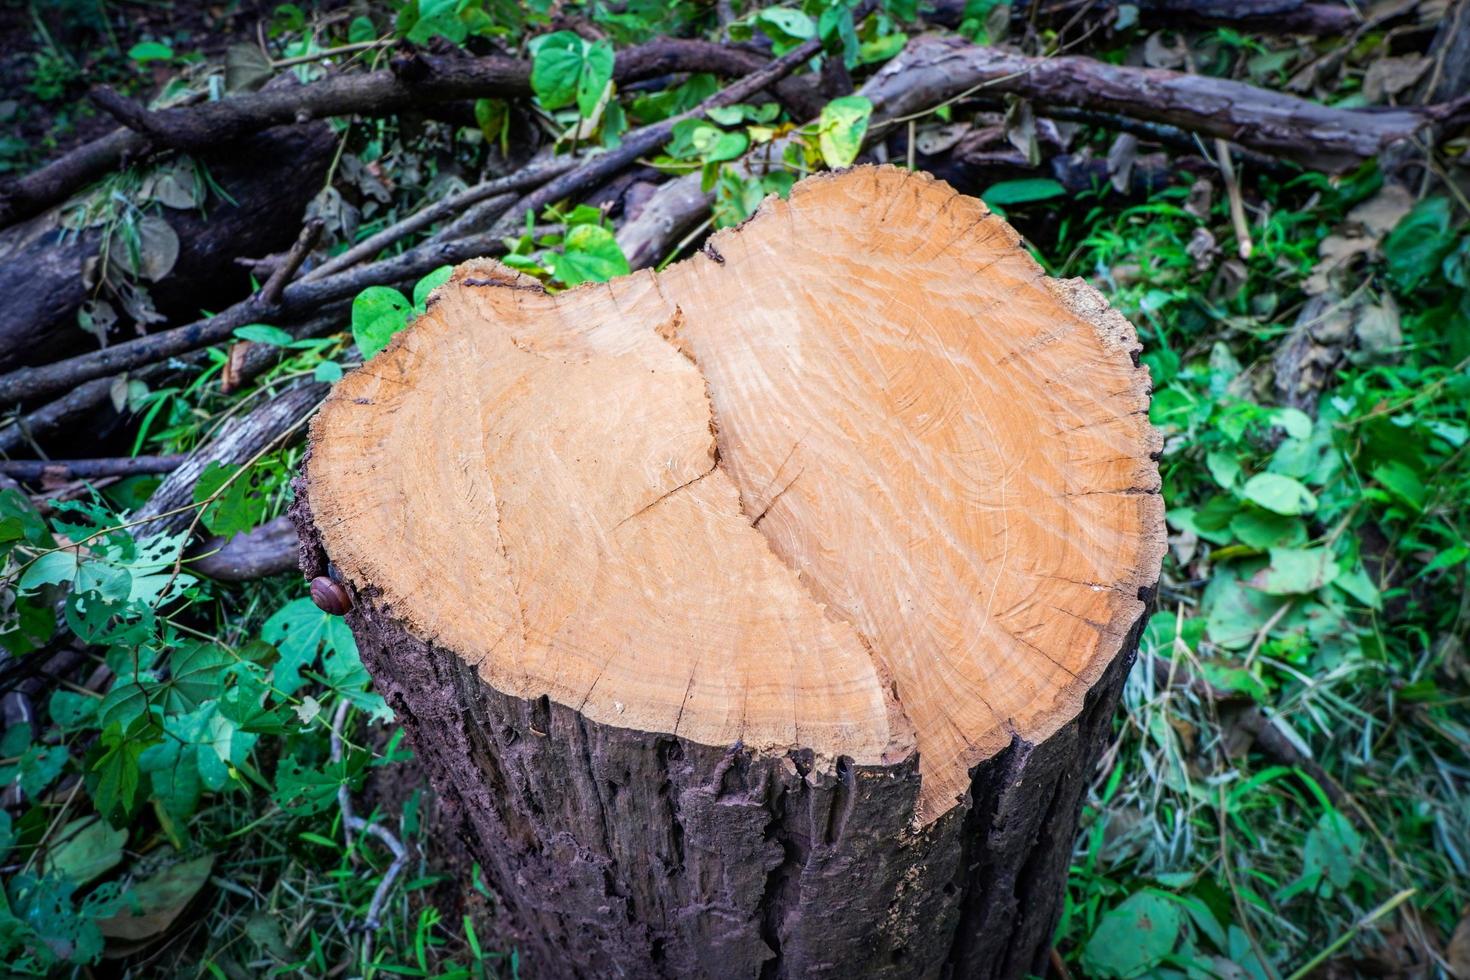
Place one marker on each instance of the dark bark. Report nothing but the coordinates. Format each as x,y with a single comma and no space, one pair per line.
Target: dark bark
618,852
52,470
1313,135
266,550
269,179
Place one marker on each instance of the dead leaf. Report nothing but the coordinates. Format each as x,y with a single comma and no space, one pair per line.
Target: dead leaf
230,376
97,317
152,255
936,139
173,187
1201,196
1387,77
246,68
1121,156
158,901
1457,953
1378,215
1335,252
1159,53
1202,248
1021,130
1376,327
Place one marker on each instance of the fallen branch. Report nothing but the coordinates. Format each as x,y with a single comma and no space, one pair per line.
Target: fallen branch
1262,16
1313,135
413,80
52,470
264,183
269,549
352,823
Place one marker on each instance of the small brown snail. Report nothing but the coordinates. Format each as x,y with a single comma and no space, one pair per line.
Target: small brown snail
330,597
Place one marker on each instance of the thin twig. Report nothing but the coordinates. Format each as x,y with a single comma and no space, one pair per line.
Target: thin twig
270,294
353,823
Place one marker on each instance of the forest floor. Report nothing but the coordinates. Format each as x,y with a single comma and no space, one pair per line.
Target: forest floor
1288,791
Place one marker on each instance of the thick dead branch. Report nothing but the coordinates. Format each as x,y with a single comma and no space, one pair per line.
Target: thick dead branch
1313,135
266,550
414,80
51,470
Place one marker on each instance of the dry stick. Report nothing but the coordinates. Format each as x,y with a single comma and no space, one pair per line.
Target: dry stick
87,469
449,207
270,294
414,81
351,822
1244,246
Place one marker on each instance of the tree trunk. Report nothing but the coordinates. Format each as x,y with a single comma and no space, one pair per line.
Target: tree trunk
763,617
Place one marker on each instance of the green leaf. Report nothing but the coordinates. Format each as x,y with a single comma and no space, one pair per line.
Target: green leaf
146,51
378,312
1419,241
429,283
361,31
1402,482
86,849
328,371
260,333
237,506
298,630
115,776
1133,937
841,128
1262,530
52,568
1022,191
1332,849
592,255
1279,494
196,674
566,69
1294,571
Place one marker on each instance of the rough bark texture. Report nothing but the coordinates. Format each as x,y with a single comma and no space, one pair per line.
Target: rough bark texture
624,853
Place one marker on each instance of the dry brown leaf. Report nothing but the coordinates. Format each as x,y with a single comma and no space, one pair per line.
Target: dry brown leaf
1457,953
1378,215
1387,77
1336,252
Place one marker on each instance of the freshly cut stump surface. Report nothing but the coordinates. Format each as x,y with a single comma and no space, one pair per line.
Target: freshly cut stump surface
762,617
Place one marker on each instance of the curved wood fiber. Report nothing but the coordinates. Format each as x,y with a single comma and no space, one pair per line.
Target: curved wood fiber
762,617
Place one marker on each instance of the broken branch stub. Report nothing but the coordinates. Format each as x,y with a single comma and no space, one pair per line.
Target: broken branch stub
767,613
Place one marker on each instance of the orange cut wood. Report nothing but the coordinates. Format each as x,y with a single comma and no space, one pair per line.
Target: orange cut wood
857,487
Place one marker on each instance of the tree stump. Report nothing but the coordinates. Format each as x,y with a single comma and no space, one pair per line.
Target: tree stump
763,617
